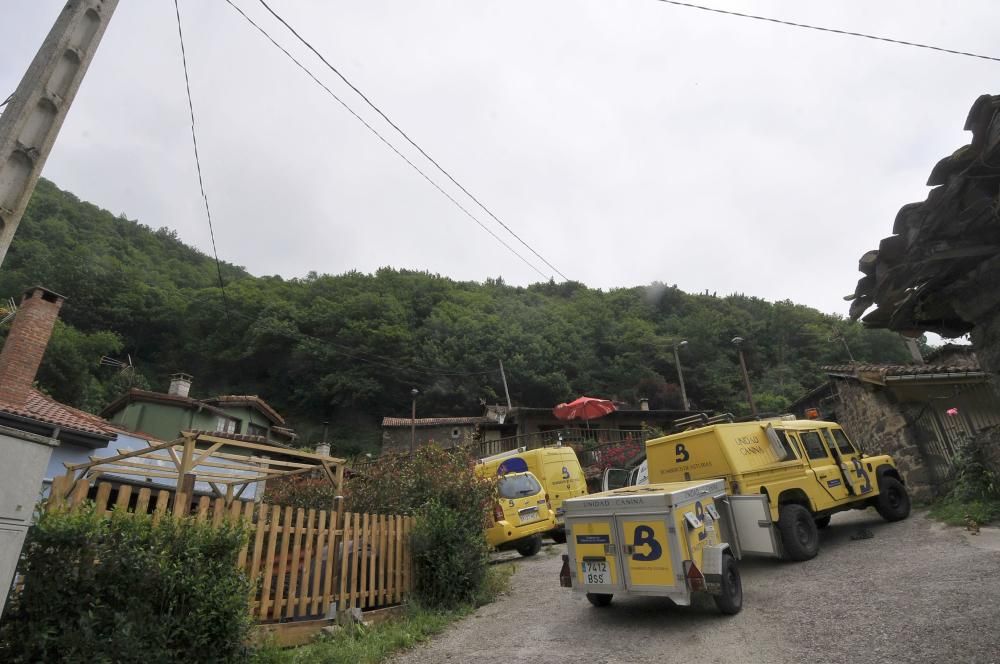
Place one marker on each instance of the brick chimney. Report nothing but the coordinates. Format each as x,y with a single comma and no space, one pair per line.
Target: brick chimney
29,335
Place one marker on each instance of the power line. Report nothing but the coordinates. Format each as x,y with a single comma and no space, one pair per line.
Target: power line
848,33
383,139
406,136
197,158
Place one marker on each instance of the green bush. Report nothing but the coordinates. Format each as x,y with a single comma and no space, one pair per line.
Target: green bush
451,505
450,557
974,478
124,589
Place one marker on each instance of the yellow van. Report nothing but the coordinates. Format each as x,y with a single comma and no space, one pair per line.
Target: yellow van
557,468
520,515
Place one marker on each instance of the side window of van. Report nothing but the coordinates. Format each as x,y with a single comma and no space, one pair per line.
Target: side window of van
814,445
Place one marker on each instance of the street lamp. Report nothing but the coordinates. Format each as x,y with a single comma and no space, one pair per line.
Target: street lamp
680,372
738,342
413,417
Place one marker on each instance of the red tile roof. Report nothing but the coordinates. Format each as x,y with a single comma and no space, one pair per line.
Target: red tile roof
247,400
430,421
45,409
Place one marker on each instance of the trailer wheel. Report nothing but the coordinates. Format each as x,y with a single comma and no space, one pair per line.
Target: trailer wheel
530,547
799,535
892,502
599,599
823,521
558,536
730,600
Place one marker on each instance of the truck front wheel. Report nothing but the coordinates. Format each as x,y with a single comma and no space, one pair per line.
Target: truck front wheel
599,599
892,502
730,600
799,535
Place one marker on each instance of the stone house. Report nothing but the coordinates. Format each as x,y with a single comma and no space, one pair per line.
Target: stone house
918,413
444,431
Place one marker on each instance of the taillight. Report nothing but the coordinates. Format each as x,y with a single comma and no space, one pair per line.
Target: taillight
498,513
695,579
564,575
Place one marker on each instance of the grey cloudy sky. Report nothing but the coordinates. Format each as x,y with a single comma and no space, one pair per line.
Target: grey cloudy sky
628,141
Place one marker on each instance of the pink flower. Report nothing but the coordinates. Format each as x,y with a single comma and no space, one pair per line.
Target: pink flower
952,412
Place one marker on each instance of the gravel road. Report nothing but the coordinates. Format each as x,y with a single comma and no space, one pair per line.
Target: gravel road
915,592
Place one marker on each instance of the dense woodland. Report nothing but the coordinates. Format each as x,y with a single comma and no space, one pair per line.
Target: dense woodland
348,348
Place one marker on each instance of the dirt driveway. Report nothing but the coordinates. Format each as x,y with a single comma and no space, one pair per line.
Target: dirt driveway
915,592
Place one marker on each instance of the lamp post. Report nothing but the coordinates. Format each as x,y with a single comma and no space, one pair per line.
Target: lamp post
738,342
680,373
413,418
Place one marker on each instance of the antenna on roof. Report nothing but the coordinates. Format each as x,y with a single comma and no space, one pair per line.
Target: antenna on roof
8,310
126,369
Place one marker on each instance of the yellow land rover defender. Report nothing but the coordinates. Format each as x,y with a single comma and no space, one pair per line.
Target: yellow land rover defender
803,471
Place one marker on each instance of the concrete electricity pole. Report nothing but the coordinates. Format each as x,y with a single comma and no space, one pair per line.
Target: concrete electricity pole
35,113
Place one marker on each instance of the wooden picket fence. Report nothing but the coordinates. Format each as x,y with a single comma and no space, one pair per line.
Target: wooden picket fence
309,563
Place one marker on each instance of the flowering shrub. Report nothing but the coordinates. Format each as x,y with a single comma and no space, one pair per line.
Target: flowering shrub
451,504
301,491
616,455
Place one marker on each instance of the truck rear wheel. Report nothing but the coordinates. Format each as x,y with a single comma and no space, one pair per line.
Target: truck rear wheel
558,536
892,502
730,600
823,521
799,535
530,546
599,599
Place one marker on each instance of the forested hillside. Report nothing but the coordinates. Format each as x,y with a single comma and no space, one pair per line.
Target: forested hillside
350,347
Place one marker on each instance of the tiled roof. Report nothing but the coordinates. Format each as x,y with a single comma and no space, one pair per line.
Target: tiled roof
247,400
211,404
44,409
430,421
897,369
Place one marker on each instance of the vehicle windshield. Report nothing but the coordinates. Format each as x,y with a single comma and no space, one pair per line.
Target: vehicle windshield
518,486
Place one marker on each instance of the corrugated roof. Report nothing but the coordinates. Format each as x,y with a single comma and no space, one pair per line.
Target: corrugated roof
45,409
430,421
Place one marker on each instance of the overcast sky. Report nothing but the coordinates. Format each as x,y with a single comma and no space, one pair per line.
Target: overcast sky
628,141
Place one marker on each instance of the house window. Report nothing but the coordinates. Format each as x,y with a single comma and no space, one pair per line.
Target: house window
455,432
256,430
225,425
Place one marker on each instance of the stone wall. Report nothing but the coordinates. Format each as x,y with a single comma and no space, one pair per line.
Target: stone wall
397,439
879,425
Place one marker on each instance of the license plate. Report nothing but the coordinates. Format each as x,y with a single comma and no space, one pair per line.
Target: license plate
529,515
596,573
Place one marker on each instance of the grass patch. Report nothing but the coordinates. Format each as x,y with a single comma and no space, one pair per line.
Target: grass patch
370,645
954,512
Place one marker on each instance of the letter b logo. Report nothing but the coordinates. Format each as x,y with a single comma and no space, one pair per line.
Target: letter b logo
644,536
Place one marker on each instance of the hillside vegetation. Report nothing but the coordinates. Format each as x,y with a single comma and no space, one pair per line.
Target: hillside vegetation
349,347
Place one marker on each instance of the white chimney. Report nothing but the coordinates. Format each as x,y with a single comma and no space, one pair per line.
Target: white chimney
323,449
644,404
180,384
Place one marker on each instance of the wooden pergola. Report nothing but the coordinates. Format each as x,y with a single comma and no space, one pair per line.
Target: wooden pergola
199,457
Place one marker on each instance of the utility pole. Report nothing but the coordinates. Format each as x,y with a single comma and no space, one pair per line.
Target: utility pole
680,373
35,113
738,342
505,390
413,418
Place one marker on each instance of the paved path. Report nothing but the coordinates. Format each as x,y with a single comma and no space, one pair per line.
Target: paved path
915,592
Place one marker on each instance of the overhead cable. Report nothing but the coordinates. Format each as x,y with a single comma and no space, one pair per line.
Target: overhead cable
847,33
384,140
402,133
197,158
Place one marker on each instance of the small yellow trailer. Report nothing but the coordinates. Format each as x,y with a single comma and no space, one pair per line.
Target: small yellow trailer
663,540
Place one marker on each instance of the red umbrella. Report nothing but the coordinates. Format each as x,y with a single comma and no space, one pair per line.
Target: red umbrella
584,408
